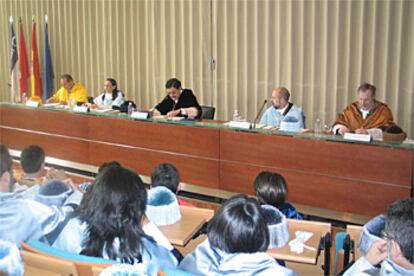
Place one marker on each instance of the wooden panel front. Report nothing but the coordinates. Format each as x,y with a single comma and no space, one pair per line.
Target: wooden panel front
54,146
354,161
323,191
159,136
63,123
192,170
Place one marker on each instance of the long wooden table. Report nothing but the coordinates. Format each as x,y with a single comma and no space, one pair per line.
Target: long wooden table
357,178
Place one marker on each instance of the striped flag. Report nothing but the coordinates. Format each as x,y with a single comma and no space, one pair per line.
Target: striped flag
48,69
36,80
14,69
23,63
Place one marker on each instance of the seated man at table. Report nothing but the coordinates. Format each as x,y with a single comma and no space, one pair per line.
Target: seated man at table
394,254
70,91
365,116
178,102
281,108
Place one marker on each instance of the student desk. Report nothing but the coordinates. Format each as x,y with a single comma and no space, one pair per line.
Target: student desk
320,240
319,230
192,220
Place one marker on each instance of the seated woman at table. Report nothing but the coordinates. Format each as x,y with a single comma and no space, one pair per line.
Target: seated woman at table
237,240
111,96
271,189
108,222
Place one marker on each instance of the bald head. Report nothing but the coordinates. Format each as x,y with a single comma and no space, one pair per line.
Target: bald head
280,97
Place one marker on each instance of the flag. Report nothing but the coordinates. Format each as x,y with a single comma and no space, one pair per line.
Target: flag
14,69
23,63
48,69
36,80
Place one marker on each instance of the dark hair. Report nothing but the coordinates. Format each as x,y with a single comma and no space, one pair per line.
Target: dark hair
166,175
32,159
399,225
270,188
174,82
367,86
108,164
5,160
113,208
66,77
114,91
239,227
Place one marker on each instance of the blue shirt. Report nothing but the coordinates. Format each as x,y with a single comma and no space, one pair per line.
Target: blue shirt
72,236
289,211
24,219
273,116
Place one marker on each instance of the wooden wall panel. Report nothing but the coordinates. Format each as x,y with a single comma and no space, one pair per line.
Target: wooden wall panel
63,123
323,191
192,170
54,146
158,136
347,160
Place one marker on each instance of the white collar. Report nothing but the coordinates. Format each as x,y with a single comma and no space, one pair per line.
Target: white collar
365,112
282,111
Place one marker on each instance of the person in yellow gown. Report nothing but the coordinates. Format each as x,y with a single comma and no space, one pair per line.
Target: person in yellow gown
70,91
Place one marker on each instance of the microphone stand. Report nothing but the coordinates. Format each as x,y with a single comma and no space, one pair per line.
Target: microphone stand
258,114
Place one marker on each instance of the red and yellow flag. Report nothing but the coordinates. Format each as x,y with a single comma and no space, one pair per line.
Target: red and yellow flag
36,80
23,63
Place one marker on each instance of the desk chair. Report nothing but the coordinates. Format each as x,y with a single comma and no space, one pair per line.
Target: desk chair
82,263
96,270
37,264
342,250
207,112
354,232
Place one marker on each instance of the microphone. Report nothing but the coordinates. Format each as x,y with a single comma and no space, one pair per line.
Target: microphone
258,114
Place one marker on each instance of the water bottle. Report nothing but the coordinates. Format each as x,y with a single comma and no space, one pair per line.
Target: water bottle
236,116
318,127
24,98
130,109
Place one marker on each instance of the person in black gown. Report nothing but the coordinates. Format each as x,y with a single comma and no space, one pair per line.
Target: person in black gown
179,102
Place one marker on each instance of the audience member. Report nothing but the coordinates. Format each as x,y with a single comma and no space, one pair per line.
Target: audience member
394,254
237,240
10,260
32,160
108,222
271,189
24,219
162,206
167,175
